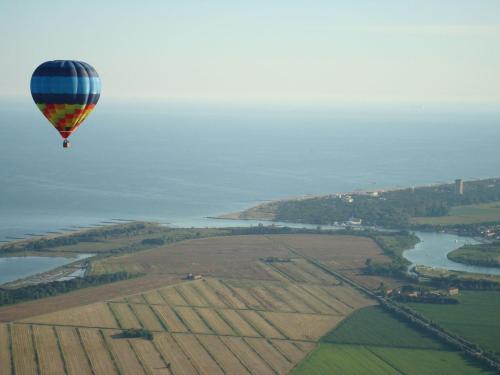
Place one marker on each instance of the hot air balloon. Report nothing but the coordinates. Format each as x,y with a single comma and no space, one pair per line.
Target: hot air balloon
66,92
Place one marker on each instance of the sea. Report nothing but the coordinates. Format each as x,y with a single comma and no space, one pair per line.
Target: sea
179,162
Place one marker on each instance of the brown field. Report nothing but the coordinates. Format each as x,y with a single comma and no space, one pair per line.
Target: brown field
5,368
147,317
137,298
95,315
124,355
202,361
49,357
224,357
22,349
258,321
216,323
192,320
229,257
170,318
340,252
271,355
171,351
321,276
126,318
149,357
302,326
73,352
247,356
97,353
260,324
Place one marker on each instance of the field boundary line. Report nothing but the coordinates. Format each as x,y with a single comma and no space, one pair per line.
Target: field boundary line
11,352
110,352
59,347
385,361
35,350
84,350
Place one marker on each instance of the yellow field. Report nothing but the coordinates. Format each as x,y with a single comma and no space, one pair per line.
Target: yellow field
49,357
97,353
179,362
271,355
22,350
211,326
73,352
126,318
170,318
124,355
95,315
248,356
5,368
216,323
222,355
302,326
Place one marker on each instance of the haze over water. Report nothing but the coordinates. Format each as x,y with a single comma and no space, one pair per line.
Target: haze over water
177,163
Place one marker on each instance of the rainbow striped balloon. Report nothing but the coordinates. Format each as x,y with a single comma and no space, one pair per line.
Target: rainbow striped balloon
66,92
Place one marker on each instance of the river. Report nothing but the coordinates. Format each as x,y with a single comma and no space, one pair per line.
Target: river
432,249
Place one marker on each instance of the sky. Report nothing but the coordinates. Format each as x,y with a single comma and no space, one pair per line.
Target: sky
311,50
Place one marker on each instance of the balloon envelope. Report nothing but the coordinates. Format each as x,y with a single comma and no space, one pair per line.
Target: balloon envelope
66,92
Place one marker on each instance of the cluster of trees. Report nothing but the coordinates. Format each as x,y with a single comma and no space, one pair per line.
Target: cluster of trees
30,292
391,209
153,241
393,245
135,333
426,298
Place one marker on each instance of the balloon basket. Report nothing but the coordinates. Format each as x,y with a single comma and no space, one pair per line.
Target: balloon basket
66,144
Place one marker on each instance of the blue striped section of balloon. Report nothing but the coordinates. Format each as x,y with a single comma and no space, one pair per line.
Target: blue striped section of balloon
65,85
65,68
83,99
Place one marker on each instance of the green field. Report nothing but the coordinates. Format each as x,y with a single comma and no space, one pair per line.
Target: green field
471,214
339,359
476,317
487,255
373,342
373,326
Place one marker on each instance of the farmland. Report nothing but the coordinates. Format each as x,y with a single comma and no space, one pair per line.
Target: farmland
474,318
358,359
216,325
245,315
371,341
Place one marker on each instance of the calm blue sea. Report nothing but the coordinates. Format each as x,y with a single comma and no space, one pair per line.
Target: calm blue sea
180,162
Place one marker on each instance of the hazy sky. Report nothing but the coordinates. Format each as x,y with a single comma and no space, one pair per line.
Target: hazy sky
262,49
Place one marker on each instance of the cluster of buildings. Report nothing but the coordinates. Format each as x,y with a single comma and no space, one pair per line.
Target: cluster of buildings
411,292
